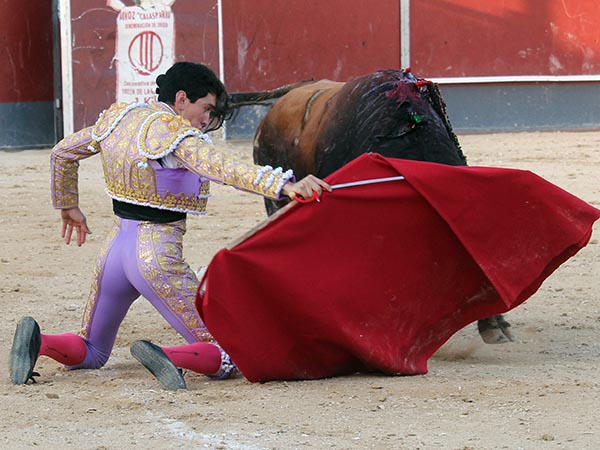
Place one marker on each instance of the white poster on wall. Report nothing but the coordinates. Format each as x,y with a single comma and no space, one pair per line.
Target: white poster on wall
145,47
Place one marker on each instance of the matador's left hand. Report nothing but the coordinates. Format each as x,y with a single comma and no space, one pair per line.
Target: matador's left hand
306,187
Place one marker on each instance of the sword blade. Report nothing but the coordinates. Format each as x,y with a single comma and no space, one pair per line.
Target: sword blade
363,182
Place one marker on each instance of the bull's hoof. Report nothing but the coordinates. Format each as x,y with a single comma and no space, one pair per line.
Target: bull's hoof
494,336
508,334
495,330
506,329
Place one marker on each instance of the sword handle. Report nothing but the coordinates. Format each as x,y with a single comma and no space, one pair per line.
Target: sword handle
300,199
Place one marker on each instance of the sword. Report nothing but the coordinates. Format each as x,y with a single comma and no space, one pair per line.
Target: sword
315,197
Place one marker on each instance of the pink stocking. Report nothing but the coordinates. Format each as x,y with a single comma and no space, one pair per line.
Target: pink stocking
68,348
200,357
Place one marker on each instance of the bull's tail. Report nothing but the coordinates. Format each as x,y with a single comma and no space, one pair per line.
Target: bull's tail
239,99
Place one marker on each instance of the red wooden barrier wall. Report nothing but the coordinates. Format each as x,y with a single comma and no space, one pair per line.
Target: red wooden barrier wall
26,53
458,38
267,43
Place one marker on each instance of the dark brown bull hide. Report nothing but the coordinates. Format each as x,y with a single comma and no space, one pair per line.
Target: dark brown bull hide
319,126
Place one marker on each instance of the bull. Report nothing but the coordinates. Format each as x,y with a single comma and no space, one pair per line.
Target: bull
316,127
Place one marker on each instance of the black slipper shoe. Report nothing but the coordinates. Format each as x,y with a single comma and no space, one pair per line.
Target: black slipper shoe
156,361
24,351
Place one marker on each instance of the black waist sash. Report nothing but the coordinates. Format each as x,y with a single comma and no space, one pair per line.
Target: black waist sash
130,211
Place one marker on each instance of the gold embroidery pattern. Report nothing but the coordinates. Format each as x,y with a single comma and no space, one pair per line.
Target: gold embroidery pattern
160,132
130,176
64,163
109,118
90,307
201,157
174,123
161,263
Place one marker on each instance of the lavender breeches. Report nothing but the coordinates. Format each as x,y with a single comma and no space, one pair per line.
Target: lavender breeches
140,258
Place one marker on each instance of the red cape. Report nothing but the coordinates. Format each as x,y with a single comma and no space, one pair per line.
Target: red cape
378,277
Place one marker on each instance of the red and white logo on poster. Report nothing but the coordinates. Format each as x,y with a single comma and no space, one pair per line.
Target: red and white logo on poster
146,52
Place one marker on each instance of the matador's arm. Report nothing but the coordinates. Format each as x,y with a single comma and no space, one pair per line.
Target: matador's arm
200,157
64,163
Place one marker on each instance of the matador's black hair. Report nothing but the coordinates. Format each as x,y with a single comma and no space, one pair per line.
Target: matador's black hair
197,81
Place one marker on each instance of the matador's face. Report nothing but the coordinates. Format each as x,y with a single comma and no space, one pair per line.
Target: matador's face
198,112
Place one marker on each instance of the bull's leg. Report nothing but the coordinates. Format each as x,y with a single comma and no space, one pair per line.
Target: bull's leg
270,206
495,330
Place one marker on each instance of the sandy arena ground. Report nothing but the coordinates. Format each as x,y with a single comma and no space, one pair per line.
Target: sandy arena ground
541,392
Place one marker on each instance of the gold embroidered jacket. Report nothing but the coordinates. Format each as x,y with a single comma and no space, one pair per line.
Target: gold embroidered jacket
131,138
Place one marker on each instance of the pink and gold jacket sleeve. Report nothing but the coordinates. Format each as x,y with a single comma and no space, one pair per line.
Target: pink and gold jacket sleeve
64,163
132,139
